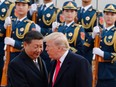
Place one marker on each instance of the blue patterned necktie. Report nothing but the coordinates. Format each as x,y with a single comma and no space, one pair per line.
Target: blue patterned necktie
18,22
44,6
64,29
82,11
106,30
43,9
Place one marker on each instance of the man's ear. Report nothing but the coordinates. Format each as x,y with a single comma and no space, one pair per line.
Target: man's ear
24,44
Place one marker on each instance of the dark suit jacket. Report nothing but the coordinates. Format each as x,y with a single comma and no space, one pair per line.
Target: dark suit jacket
22,72
74,72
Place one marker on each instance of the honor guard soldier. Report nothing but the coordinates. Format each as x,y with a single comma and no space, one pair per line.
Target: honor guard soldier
5,10
20,26
47,13
74,32
107,50
86,16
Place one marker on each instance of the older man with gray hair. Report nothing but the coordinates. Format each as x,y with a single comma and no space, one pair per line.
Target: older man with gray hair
66,64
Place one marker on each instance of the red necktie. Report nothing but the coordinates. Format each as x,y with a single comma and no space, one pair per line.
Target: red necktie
56,72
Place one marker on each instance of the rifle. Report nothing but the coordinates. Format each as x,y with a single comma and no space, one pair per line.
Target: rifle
7,55
97,58
95,61
34,15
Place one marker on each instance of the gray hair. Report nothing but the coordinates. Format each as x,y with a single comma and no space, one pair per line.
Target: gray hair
59,39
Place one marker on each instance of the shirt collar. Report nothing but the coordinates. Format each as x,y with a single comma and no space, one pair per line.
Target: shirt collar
21,18
2,1
108,28
63,57
69,23
48,4
86,7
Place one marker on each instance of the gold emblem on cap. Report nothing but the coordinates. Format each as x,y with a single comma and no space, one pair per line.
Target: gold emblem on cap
110,37
87,18
70,5
70,34
21,29
27,0
3,10
48,15
110,7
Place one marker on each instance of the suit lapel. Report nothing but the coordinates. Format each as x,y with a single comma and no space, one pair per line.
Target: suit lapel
52,70
64,67
44,69
29,62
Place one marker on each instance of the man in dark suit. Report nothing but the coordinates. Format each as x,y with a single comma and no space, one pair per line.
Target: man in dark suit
69,69
28,69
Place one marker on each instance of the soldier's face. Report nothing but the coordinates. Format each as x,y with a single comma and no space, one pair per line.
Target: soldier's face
69,15
34,48
47,0
109,18
86,1
22,8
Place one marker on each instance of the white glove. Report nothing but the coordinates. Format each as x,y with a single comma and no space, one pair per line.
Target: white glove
55,25
98,51
38,28
7,22
33,8
96,30
9,41
4,58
